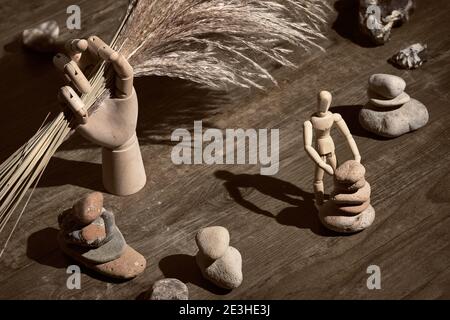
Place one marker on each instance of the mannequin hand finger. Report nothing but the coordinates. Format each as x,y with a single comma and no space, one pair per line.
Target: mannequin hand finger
72,72
329,170
68,97
124,71
75,47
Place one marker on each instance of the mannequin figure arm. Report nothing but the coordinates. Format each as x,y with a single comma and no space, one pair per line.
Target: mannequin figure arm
342,126
312,153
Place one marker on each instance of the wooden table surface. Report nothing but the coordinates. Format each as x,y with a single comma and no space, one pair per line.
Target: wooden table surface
286,253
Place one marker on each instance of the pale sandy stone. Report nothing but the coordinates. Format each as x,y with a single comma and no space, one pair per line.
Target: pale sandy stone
225,272
345,224
213,241
387,85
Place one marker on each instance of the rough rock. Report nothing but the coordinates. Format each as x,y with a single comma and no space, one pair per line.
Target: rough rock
358,197
411,57
42,38
391,103
346,224
169,289
109,251
347,210
225,272
213,241
393,123
94,233
349,188
88,208
387,85
349,172
129,265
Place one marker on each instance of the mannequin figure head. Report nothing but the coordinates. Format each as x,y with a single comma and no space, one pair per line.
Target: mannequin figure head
324,102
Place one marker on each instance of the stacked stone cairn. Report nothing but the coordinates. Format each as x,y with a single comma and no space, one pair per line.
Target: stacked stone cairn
391,112
89,235
348,209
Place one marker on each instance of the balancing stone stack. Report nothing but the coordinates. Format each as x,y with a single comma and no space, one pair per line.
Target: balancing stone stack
90,236
390,111
349,208
218,262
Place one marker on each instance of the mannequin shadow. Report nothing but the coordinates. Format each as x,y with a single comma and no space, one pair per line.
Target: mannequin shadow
184,268
351,116
42,247
301,214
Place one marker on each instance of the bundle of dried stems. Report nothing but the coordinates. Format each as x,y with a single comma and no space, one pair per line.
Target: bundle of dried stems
215,43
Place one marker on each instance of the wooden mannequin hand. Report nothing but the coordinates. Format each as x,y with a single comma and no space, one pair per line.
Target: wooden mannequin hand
113,124
328,169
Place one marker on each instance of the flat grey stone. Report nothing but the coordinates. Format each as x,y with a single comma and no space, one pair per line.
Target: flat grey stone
109,251
391,103
393,123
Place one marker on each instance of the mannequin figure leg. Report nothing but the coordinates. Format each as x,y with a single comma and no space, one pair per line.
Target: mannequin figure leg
318,184
331,158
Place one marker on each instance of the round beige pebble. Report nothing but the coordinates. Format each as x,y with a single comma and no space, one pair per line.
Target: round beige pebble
225,272
387,85
213,242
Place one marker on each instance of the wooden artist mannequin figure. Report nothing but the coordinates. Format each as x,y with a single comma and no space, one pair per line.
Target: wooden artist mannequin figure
324,155
113,124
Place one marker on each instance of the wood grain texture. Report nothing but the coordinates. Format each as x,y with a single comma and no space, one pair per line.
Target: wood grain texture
272,220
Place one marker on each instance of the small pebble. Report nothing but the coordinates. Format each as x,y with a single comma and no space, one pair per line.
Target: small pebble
169,289
411,57
88,208
213,241
386,85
